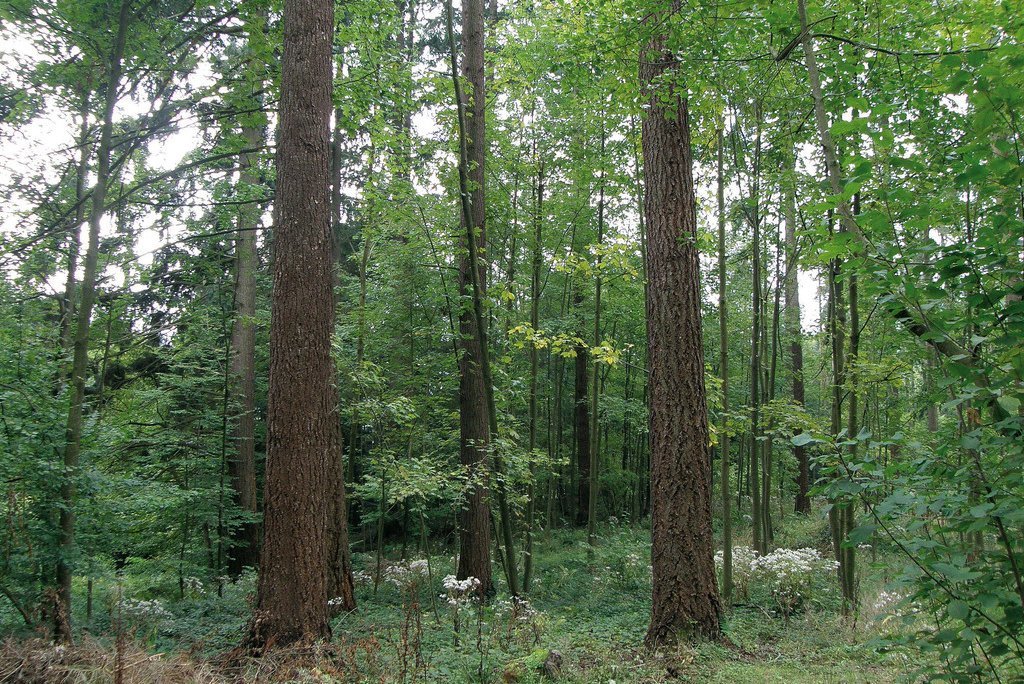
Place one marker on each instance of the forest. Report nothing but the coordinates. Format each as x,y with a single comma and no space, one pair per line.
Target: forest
590,341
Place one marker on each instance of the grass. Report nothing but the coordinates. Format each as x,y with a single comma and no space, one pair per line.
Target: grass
593,612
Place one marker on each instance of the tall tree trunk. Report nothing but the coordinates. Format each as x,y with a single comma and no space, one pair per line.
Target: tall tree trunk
685,596
303,434
80,357
476,381
475,532
581,411
852,429
244,550
836,324
841,521
67,304
723,369
794,335
537,262
595,396
755,386
769,395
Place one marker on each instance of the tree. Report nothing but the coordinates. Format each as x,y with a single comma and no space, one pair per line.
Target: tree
245,548
303,428
793,332
723,370
475,435
685,594
80,358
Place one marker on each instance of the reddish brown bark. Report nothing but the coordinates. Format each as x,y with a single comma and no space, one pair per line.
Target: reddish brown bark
303,445
685,594
474,430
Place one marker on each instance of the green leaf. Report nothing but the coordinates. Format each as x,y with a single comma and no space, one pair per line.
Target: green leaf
958,610
1009,404
803,439
859,535
955,572
981,510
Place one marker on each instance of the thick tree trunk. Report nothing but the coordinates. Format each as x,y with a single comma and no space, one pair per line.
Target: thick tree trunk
303,443
685,595
80,354
474,431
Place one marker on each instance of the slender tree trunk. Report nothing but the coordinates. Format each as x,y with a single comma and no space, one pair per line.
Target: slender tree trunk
836,318
841,521
242,467
595,394
581,403
755,389
685,601
795,337
723,369
80,356
303,434
67,305
537,262
769,395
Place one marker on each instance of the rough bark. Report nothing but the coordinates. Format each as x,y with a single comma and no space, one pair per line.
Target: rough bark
474,431
303,442
80,355
685,595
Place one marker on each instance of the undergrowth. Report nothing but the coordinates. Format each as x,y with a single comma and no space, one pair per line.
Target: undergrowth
583,621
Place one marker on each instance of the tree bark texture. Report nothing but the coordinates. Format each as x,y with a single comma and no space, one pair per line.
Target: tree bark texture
474,431
685,593
303,443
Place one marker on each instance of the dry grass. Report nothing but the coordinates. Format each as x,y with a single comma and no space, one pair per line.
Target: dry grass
91,662
37,661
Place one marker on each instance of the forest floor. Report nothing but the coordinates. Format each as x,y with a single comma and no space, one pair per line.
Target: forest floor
593,612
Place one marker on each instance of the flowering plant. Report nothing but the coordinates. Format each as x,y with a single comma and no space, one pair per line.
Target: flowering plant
406,574
460,592
743,558
789,573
